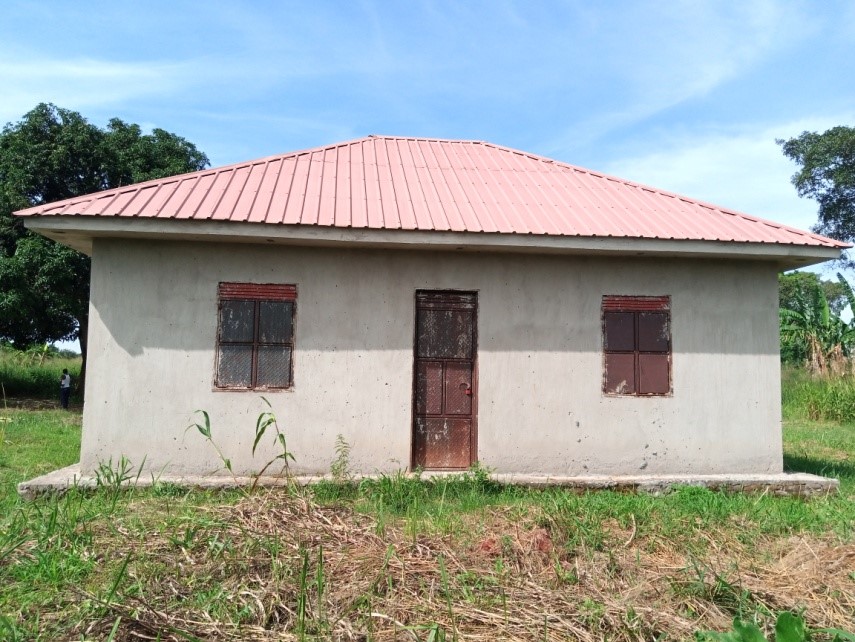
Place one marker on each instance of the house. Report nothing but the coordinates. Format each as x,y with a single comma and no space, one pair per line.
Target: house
435,303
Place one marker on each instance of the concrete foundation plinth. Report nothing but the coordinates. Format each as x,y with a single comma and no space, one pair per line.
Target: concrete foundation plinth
782,484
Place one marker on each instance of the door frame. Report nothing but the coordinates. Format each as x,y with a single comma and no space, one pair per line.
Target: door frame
473,433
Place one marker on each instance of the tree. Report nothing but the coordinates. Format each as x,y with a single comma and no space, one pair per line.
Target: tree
793,283
813,334
827,175
50,155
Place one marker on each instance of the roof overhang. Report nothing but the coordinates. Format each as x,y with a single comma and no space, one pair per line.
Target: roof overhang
79,232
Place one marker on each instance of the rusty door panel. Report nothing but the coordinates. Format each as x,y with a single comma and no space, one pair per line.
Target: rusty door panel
458,388
443,334
429,387
444,434
654,374
442,443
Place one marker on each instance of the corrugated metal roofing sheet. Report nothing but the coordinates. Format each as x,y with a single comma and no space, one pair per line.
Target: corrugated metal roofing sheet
389,183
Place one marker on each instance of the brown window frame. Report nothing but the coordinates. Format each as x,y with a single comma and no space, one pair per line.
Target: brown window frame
647,381
258,294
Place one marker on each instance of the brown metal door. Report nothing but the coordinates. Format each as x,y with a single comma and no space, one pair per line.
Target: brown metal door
444,432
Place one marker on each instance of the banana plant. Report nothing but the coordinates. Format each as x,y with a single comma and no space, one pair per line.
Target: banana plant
818,336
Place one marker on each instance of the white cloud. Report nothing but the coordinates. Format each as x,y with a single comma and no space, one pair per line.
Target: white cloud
659,56
742,169
83,82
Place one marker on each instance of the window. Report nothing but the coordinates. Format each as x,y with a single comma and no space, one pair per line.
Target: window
255,336
637,345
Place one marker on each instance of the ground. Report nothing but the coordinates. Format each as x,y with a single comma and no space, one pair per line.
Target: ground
403,559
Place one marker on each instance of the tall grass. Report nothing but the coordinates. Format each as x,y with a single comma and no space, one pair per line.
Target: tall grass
817,398
27,374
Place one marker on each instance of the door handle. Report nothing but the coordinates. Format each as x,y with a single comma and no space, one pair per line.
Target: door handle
468,390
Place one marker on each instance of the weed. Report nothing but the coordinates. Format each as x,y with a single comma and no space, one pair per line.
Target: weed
114,587
303,593
566,575
435,632
265,420
10,632
397,493
592,612
446,590
340,466
789,627
320,586
204,429
705,583
115,479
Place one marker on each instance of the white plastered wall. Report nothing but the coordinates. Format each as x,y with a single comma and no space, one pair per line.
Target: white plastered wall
541,409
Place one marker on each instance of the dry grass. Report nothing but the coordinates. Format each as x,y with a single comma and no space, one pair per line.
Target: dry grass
403,559
508,574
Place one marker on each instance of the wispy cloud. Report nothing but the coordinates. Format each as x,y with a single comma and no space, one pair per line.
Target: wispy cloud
666,54
82,82
741,168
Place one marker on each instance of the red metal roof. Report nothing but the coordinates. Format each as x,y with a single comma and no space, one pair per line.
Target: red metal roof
389,183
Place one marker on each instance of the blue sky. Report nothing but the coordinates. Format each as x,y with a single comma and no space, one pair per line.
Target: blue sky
685,96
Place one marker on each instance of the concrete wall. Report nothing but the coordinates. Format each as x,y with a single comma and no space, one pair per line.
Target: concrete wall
540,403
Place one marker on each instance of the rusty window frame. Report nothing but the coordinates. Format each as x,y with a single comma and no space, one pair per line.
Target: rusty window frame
621,309
257,294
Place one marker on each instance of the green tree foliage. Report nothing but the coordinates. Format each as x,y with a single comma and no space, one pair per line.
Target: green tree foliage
792,283
827,175
49,155
811,332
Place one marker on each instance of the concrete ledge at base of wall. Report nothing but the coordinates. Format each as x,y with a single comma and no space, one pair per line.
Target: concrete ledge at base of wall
782,484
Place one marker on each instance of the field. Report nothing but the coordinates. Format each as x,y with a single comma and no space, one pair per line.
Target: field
407,559
34,374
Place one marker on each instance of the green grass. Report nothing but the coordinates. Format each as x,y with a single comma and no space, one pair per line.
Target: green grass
24,375
434,552
817,399
33,443
823,448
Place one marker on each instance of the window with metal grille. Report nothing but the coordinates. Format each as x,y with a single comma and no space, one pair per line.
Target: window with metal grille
637,345
255,335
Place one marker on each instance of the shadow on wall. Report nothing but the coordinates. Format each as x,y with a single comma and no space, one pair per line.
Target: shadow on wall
163,295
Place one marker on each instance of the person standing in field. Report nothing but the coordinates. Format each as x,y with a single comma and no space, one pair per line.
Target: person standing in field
64,388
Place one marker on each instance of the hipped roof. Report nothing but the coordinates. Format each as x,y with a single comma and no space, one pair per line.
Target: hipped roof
429,185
